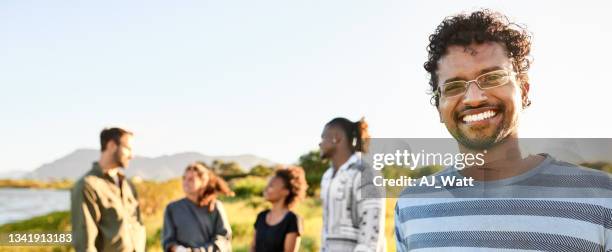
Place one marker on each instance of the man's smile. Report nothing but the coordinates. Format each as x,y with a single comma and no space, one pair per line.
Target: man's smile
479,116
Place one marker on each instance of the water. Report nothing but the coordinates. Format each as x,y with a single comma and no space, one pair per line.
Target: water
22,203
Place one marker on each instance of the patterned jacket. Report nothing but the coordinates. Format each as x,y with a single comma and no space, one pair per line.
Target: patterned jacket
351,222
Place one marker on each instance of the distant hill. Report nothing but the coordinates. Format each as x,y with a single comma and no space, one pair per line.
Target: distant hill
12,174
75,164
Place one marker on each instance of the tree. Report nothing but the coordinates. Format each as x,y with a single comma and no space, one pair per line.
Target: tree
231,168
314,167
261,170
226,169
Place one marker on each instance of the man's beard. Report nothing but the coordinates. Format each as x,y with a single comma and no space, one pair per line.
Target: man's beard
118,160
326,154
483,142
480,143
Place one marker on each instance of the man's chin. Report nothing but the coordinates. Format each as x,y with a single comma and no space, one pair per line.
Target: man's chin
478,144
477,141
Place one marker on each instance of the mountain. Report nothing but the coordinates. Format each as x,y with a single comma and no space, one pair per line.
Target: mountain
12,174
77,163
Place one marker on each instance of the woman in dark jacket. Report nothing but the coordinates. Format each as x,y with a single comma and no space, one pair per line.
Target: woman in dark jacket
198,222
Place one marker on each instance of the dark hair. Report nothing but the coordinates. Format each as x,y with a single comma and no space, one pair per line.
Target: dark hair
295,181
479,27
112,134
356,132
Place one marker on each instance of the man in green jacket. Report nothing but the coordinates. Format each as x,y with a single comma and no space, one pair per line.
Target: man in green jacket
105,212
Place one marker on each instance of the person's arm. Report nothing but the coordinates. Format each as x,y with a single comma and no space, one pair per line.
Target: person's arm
85,216
135,193
294,230
223,230
252,247
292,242
169,242
139,231
370,213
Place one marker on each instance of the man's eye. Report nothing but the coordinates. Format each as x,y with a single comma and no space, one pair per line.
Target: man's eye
453,88
493,77
493,80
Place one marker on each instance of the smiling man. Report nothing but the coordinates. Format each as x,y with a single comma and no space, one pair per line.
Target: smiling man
478,67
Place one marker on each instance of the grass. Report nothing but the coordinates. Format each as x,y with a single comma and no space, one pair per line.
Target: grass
28,183
241,211
56,221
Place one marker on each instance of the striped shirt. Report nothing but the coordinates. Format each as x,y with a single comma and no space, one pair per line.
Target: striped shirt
555,206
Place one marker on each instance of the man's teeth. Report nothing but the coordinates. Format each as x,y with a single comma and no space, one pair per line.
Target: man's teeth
479,116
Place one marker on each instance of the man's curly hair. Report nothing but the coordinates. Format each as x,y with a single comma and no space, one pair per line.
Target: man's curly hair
479,27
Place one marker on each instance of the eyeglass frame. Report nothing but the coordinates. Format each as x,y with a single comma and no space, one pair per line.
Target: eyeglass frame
438,93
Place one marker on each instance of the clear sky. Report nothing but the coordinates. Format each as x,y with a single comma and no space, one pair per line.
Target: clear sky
263,77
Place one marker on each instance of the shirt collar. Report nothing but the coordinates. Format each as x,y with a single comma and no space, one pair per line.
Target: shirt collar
97,171
353,159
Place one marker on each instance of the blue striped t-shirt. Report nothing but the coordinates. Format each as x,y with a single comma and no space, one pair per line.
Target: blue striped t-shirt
555,206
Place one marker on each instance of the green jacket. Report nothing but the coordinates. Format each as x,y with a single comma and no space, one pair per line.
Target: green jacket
105,217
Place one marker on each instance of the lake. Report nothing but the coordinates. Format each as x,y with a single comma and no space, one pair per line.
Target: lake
22,203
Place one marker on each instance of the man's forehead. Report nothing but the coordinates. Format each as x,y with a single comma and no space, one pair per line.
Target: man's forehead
328,129
331,129
468,61
127,139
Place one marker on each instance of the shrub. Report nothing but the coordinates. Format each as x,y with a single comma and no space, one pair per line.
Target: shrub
248,186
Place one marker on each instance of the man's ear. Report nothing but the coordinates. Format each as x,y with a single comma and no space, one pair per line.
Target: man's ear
111,146
440,114
336,136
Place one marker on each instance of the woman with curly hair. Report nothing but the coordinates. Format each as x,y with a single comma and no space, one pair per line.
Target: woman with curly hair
279,228
198,222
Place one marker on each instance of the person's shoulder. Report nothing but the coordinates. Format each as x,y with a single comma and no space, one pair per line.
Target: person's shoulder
565,168
297,220
176,204
292,215
89,181
79,183
359,166
327,174
360,169
263,213
261,216
219,204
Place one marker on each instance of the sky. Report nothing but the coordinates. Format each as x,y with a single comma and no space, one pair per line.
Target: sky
263,77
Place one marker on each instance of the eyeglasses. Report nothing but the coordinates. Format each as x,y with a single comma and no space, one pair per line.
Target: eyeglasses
485,81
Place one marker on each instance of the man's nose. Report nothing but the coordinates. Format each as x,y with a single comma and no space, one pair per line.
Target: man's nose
474,95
